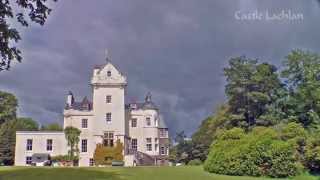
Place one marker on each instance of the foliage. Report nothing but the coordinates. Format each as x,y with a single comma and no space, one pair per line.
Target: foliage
26,124
72,135
173,154
204,136
195,162
258,153
182,151
302,74
180,137
52,127
104,155
8,106
37,11
250,88
312,152
8,137
61,158
256,96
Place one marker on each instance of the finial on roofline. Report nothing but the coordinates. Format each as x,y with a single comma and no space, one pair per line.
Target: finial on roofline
148,97
107,54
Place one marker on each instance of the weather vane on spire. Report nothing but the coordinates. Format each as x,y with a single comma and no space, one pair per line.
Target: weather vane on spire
107,54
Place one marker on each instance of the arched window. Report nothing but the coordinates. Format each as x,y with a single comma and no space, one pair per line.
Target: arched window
109,73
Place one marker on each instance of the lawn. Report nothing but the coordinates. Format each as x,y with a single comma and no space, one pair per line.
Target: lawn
136,173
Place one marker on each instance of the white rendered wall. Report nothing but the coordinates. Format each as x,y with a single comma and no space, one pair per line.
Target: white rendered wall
39,145
142,131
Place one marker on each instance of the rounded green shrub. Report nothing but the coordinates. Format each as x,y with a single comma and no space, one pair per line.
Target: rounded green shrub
258,153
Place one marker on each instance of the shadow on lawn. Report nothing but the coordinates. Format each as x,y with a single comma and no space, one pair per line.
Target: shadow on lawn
57,174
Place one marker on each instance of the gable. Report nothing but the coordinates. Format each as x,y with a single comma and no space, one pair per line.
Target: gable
108,74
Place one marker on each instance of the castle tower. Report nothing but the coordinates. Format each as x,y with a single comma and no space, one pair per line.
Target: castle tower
108,86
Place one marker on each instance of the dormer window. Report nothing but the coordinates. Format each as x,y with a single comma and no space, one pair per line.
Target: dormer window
133,106
109,73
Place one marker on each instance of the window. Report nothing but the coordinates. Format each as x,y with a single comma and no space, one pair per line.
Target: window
134,144
84,145
163,133
108,99
29,144
148,121
108,118
156,147
91,162
109,73
108,139
149,144
134,122
162,150
84,123
28,160
49,144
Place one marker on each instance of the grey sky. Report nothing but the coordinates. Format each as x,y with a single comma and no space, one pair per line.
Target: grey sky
175,49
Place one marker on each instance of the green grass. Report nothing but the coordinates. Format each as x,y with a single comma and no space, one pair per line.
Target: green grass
136,173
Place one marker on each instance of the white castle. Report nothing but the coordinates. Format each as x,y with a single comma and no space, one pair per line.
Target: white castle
105,120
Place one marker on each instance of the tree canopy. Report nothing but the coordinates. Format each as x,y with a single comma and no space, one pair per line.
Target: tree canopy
72,135
8,137
52,127
270,122
20,12
8,106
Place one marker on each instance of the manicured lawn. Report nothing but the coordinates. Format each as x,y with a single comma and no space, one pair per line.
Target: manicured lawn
137,173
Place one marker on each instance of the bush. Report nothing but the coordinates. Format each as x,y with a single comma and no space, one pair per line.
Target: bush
104,155
258,153
195,162
312,154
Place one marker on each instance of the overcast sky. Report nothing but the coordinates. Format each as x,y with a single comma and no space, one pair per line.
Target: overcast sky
176,49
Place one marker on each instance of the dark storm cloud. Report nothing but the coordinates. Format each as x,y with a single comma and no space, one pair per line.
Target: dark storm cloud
175,49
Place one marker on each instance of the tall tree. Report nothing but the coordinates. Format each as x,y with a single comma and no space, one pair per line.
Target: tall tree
36,11
8,137
8,106
302,74
72,135
249,89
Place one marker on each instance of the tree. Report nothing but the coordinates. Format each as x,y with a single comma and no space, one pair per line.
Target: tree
52,127
206,133
29,124
302,74
8,107
8,137
182,151
72,135
249,89
180,136
36,11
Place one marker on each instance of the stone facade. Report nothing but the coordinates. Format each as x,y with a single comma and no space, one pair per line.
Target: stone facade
139,126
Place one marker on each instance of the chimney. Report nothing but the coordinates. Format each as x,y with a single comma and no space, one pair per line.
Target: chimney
70,99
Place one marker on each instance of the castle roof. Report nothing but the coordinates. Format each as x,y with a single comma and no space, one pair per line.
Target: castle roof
147,104
84,105
162,123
